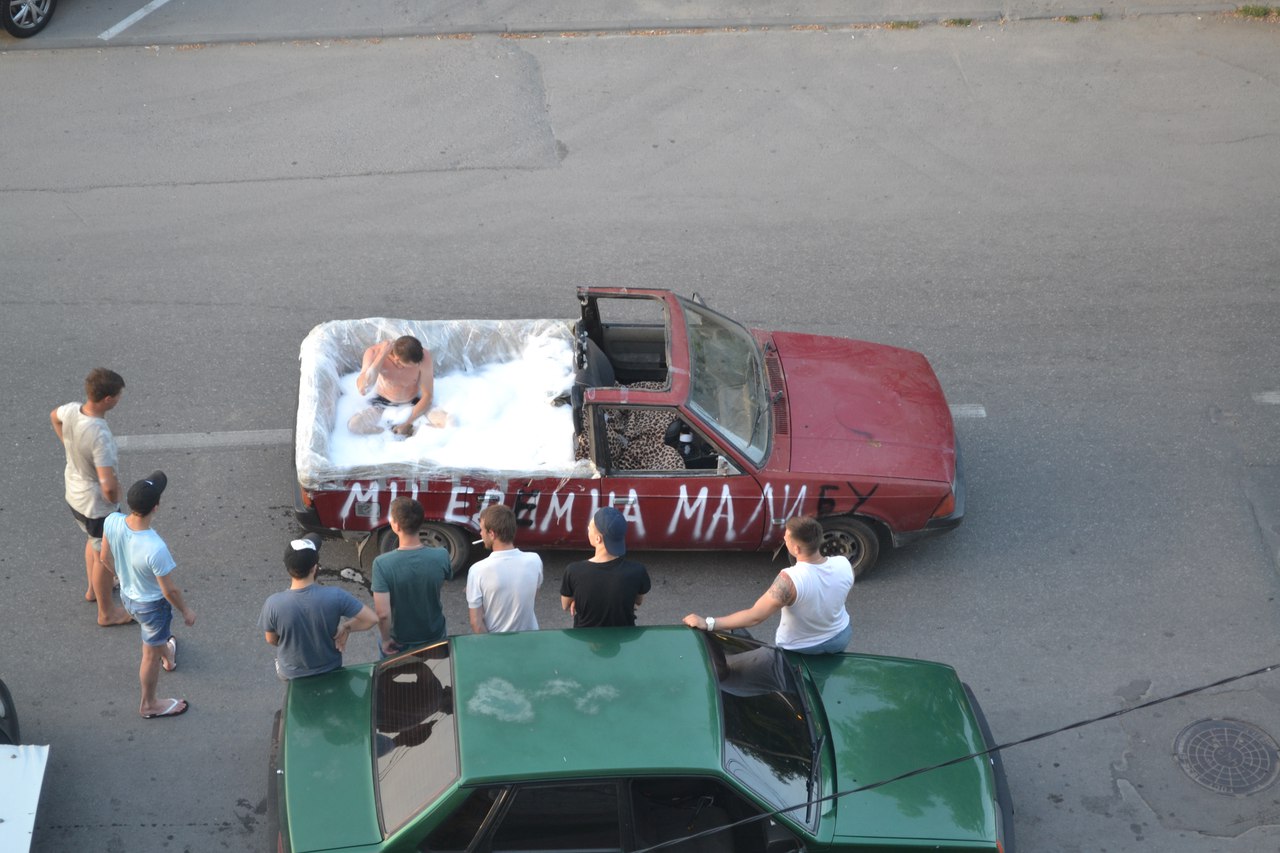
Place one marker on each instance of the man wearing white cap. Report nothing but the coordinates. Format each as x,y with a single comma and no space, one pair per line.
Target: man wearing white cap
309,623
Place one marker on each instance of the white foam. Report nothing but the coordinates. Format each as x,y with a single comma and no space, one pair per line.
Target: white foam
501,416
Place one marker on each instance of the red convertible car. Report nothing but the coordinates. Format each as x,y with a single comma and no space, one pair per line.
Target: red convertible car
705,434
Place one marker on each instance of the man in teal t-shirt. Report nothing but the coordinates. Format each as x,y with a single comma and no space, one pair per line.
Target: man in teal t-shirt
406,584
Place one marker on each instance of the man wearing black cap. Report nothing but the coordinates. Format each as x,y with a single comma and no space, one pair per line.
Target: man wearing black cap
309,623
605,590
142,561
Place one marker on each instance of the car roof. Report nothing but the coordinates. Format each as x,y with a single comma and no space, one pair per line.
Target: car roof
585,702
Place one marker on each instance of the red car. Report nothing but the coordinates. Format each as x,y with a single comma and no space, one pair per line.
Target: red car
705,434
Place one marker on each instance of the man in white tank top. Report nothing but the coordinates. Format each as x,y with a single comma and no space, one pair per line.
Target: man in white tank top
810,594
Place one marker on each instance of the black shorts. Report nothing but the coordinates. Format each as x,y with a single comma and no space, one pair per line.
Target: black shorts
91,526
383,403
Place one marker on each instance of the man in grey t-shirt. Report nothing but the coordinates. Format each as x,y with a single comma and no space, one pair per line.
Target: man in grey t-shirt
308,623
92,489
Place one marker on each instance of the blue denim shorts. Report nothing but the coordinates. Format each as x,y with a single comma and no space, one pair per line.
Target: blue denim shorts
835,645
154,618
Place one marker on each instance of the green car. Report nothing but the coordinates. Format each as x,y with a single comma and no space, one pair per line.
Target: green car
613,739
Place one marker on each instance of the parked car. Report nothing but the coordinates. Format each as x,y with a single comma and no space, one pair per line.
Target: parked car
706,435
9,733
24,18
618,739
21,779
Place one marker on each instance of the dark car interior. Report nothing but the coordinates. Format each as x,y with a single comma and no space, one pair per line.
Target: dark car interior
631,335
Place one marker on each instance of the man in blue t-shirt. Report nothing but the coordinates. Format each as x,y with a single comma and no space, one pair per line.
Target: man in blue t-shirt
407,582
309,623
141,559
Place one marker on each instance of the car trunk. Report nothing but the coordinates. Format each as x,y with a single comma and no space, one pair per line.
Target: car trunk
327,759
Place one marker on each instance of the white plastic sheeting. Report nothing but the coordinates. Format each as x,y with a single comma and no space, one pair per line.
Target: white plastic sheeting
497,379
21,778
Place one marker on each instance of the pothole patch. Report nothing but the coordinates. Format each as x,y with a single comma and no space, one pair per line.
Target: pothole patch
1227,756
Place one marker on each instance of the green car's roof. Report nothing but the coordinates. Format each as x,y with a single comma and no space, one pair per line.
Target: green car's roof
582,702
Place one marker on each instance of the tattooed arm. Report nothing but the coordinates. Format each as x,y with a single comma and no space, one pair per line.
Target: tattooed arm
777,596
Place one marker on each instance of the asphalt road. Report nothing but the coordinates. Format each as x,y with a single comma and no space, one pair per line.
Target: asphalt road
1077,223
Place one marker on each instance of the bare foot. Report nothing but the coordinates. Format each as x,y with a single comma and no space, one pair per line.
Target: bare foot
89,596
119,617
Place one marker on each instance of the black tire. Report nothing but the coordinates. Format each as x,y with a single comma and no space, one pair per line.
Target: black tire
852,538
24,18
9,733
434,534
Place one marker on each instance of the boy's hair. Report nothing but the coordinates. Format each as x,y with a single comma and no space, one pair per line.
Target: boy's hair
499,520
101,384
805,530
407,513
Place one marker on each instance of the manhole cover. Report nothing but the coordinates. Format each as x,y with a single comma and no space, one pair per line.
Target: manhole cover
1227,756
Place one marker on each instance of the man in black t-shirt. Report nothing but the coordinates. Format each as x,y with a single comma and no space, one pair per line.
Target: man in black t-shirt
605,591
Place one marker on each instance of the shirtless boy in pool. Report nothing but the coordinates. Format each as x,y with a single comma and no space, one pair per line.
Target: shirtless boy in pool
399,372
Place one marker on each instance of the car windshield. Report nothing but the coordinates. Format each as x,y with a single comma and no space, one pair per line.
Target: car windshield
415,742
768,740
726,380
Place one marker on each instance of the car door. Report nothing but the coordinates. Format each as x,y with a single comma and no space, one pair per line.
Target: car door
704,815
584,817
673,482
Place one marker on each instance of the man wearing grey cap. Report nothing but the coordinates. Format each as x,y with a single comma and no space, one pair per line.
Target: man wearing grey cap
605,590
141,559
309,623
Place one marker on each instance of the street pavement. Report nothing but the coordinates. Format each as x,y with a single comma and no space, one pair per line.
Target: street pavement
90,23
1075,222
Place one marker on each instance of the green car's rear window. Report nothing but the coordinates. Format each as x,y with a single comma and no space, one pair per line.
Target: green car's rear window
415,735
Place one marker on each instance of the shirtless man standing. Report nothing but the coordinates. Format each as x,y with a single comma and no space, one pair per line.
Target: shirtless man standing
399,372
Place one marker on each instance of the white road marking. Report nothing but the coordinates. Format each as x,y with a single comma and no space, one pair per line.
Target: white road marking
265,437
190,440
1268,398
108,35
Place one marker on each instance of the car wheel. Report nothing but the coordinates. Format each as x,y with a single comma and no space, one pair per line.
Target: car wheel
25,18
850,538
9,733
434,535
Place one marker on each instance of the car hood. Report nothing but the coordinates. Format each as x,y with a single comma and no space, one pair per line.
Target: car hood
888,716
327,758
865,409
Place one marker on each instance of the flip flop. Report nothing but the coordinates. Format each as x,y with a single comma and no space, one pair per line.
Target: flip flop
173,655
177,707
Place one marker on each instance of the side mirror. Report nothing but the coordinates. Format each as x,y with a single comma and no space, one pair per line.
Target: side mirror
697,299
722,466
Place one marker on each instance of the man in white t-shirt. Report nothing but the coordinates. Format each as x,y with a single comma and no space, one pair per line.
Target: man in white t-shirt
810,594
502,588
92,489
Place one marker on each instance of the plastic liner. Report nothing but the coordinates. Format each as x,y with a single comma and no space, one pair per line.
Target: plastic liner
334,349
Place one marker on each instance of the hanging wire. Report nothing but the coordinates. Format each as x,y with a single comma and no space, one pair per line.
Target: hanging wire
919,770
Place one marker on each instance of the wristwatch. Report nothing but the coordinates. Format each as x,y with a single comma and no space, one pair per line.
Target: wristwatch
711,623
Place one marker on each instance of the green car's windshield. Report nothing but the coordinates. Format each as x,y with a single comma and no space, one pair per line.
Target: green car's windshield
414,738
769,744
726,380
